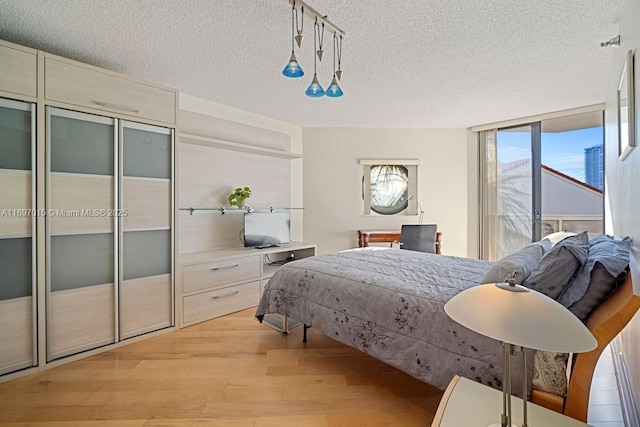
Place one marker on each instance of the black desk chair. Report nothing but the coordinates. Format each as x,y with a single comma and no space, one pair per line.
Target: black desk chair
419,237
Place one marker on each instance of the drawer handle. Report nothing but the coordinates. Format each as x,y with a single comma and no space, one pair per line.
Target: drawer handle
117,107
225,295
226,266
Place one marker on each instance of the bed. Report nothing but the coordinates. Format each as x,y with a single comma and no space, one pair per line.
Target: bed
389,303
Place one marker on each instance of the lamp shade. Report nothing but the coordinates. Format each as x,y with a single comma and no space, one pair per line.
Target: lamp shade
293,68
314,90
521,317
334,91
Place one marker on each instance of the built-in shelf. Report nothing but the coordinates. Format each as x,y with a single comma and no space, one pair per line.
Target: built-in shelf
225,209
236,146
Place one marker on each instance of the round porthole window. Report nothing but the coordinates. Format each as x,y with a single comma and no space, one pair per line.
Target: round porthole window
389,189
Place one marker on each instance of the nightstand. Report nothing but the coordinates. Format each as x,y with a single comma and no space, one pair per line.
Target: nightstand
468,403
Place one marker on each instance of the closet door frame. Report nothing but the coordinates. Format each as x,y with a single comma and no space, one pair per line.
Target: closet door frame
33,214
60,112
121,205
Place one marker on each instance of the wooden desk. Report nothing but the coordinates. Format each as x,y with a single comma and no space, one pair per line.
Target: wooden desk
468,403
387,236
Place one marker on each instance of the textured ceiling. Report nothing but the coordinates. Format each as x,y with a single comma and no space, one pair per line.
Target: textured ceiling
409,63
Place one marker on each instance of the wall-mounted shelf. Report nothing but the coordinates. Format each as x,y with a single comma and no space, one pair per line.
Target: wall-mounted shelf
236,146
225,209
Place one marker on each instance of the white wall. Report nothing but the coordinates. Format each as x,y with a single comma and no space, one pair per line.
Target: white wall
333,183
622,178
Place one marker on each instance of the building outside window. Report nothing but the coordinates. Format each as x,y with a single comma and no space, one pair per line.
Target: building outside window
594,166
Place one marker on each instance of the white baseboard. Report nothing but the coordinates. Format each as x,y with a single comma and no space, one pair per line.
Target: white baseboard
627,402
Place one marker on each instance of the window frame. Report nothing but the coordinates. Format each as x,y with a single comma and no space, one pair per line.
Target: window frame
412,169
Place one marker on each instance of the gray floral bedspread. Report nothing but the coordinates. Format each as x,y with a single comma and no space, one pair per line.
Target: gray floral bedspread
389,303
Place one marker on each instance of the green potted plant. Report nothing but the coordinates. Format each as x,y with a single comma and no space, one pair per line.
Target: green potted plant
239,195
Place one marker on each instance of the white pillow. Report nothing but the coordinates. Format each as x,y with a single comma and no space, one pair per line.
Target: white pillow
557,236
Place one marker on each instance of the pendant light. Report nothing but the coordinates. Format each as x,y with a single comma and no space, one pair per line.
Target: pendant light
293,69
315,90
334,90
321,22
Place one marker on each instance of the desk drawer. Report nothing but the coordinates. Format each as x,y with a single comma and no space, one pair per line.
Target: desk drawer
94,88
222,301
219,273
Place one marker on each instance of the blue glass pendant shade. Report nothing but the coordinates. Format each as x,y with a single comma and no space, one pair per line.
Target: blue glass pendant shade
293,69
314,90
334,90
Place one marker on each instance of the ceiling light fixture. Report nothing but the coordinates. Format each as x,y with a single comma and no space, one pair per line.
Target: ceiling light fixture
334,91
293,68
315,89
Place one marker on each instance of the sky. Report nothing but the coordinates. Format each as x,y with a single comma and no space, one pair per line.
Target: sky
562,151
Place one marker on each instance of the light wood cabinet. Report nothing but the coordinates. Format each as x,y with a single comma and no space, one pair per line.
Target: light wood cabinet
218,273
216,303
80,84
86,208
18,67
97,248
215,283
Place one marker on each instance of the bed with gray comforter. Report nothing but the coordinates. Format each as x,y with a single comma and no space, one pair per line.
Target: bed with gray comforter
389,303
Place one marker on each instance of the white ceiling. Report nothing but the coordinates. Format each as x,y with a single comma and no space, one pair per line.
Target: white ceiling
409,63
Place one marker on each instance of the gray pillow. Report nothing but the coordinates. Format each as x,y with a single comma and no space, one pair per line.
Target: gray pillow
558,266
612,254
517,265
602,285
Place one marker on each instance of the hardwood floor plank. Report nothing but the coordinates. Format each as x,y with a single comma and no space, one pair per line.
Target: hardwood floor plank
222,422
284,381
61,413
150,411
13,413
295,420
330,392
84,423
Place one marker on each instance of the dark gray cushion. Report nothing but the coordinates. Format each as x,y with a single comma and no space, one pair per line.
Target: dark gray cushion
602,285
611,254
517,265
558,266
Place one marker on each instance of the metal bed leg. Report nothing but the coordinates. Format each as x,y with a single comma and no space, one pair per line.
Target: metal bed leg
304,332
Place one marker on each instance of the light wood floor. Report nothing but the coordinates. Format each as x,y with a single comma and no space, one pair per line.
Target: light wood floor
231,372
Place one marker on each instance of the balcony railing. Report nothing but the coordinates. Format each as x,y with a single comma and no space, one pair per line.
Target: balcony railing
574,224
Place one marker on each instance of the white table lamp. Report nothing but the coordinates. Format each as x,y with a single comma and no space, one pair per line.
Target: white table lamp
519,318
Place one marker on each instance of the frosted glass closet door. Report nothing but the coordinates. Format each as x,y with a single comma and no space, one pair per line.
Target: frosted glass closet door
81,232
17,237
146,294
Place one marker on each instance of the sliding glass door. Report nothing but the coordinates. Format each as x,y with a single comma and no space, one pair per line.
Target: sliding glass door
517,186
540,178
